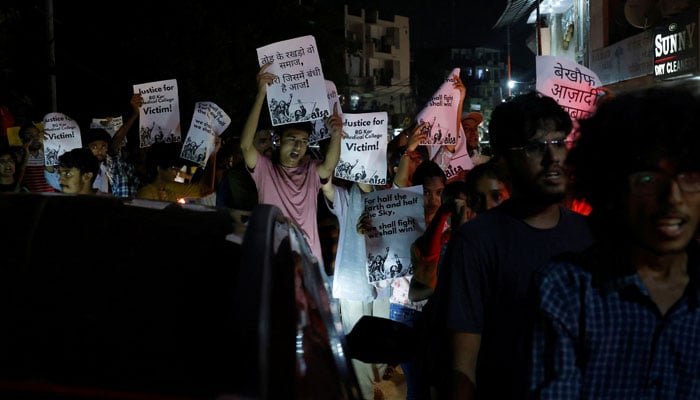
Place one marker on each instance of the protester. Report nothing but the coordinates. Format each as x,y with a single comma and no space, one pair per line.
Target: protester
168,184
291,181
452,158
36,171
77,171
11,170
117,175
483,282
471,123
620,320
356,296
402,308
486,186
237,189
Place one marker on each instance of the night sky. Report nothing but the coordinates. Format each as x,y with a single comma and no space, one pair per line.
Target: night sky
208,46
461,24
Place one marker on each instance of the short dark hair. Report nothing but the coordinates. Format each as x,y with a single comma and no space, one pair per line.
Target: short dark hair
82,159
516,121
279,131
95,134
631,132
427,169
165,155
14,151
306,126
490,169
25,128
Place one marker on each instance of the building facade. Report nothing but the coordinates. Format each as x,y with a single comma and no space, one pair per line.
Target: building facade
629,44
378,63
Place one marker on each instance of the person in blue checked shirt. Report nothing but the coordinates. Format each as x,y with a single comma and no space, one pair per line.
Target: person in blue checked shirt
620,320
117,174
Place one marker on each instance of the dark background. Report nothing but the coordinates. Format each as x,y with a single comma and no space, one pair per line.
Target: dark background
103,48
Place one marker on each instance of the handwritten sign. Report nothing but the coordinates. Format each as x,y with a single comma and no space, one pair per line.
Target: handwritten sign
397,220
299,91
363,150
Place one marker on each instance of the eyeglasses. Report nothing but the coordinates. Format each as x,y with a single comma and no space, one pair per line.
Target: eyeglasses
652,182
536,148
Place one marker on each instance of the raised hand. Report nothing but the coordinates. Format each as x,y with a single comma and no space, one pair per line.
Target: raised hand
334,123
265,78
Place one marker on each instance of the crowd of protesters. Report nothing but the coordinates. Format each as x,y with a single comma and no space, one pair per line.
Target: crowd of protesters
516,293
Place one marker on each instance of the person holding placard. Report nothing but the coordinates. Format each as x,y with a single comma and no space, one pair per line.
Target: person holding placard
290,180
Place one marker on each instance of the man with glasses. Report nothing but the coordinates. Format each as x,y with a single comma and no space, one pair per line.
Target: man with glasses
620,320
482,288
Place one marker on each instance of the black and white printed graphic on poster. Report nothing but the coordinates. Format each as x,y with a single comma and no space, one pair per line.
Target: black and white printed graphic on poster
397,221
61,134
363,149
159,119
444,128
109,124
298,92
440,114
320,129
208,122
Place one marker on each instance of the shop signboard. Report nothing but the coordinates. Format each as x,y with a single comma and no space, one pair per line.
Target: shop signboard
676,47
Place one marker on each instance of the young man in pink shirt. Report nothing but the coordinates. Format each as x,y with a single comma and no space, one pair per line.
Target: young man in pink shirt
290,180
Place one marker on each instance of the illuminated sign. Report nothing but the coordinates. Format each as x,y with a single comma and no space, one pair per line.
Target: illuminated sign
676,47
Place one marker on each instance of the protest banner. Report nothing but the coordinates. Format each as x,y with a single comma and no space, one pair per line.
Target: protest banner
109,124
208,122
320,130
61,134
159,119
443,127
573,86
397,220
298,92
363,150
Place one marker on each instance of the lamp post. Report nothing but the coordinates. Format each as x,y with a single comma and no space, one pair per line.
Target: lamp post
51,41
508,51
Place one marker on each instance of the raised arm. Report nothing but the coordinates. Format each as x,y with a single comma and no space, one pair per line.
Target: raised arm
118,139
208,181
328,190
402,178
335,127
462,96
250,153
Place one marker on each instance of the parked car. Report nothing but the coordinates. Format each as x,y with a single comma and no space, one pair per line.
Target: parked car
112,299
